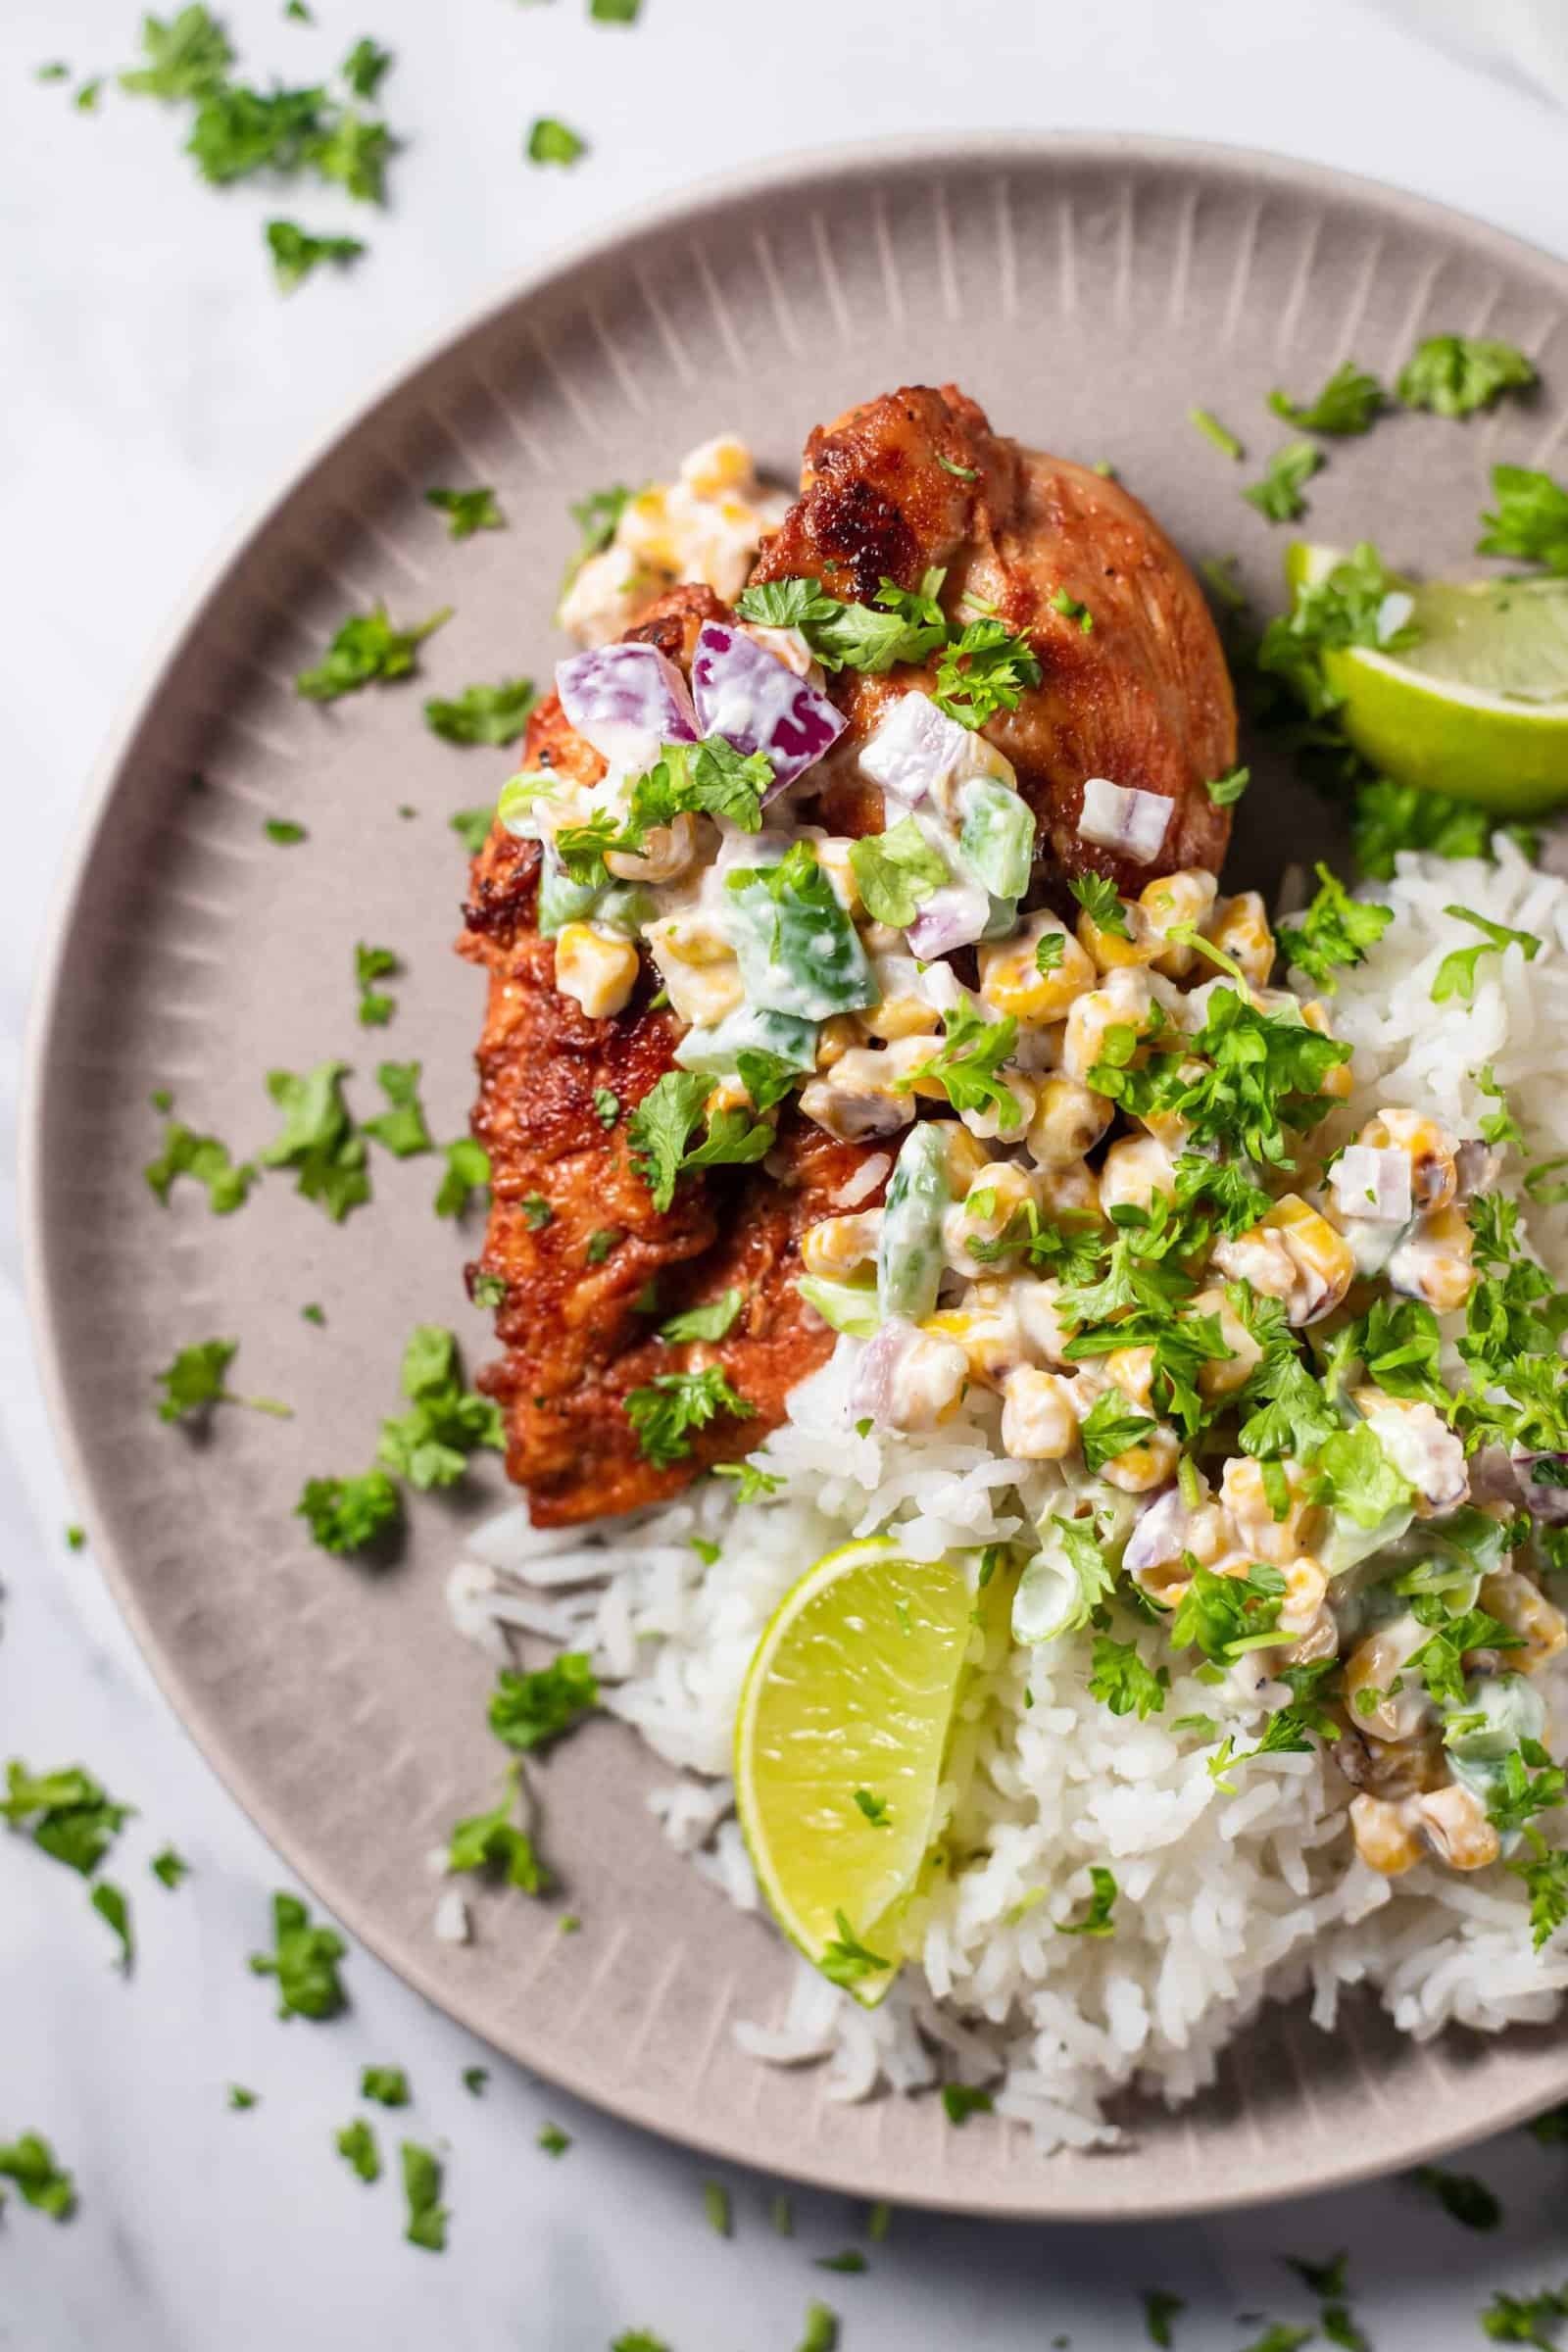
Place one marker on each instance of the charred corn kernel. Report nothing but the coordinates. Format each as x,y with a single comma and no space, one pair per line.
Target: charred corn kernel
1324,1261
1108,950
1133,1171
667,851
1145,1465
1068,1122
1172,903
838,1244
1222,1375
1305,1590
1454,1823
1429,1147
987,1336
839,1035
1384,1838
1244,1491
1525,1610
901,1017
1239,928
1038,1422
1385,1701
1071,1191
833,857
1435,1262
1337,1083
1124,1003
1012,981
597,968
697,965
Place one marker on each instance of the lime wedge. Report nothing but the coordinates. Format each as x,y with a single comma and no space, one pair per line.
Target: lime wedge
852,1687
1479,706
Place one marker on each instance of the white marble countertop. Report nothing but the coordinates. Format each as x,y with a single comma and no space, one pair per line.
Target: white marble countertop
154,389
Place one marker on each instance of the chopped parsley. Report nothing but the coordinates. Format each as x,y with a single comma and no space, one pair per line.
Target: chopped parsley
1220,435
239,2098
1121,1680
602,1243
355,2144
296,252
845,1960
1278,496
713,1321
388,2085
349,1514
1456,973
474,2079
1525,2319
431,1443
1453,376
674,1404
206,1162
553,2140
975,1049
67,1813
1071,610
185,58
1160,2307
1224,1616
30,2163
659,1128
473,826
366,66
1334,932
304,1960
1348,404
196,1381
488,1290
369,965
169,1868
550,142
1098,899
468,510
428,2217
960,2100
495,1841
284,831
488,715
1463,2197
529,1711
895,872
1531,521
467,1172
875,1808
537,1211
982,670
1051,950
1096,1920
367,650
1226,790
318,1139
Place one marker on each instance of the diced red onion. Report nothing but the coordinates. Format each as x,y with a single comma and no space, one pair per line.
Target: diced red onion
1160,1532
626,700
756,703
952,918
915,749
1118,816
1373,1184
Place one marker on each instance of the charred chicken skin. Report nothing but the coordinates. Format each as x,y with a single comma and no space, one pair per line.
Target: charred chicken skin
589,1266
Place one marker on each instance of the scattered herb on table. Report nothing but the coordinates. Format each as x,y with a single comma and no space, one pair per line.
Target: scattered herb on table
473,826
428,2217
475,2080
239,2098
483,714
1160,2307
39,2178
356,2143
1531,522
401,1129
388,2085
367,650
284,831
372,963
466,1174
1348,404
716,2208
494,1841
318,1140
296,252
1220,436
67,1813
551,141
208,1161
553,2140
304,1960
169,1867
196,1381
531,1710
1453,376
349,1514
1463,2198
468,510
1286,472
960,2100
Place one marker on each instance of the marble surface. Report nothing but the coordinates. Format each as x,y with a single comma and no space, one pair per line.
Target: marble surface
154,389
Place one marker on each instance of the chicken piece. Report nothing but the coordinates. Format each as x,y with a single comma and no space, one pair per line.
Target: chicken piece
1142,697
579,1335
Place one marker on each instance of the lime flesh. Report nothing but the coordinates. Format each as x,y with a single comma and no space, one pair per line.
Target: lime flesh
1478,707
852,1687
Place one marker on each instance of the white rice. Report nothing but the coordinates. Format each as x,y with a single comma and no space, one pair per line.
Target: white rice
1226,1899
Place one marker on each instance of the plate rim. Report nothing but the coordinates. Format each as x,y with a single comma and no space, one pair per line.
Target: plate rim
687,204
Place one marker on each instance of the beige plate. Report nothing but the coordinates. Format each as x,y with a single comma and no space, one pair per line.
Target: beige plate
1087,291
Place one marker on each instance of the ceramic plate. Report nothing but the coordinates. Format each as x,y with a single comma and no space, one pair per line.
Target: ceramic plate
1086,291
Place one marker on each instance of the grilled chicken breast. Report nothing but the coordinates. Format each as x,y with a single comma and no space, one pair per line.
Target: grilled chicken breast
590,1267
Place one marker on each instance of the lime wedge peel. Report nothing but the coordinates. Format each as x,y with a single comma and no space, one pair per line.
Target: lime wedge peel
852,1687
1478,707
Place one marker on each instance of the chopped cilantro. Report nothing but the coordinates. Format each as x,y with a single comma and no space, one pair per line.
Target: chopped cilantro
1390,817
960,2100
895,872
550,142
473,826
661,1123
1531,522
29,2162
75,1822
716,2208
1360,1479
369,965
428,2217
297,251
1071,609
1121,1682
537,1211
401,1129
595,517
431,1443
349,1514
284,831
367,649
1098,899
1347,404
467,1172
1453,376
974,1050
356,2143
1278,496
1096,1920
195,1381
1525,2319
553,2140
205,1160
713,1321
474,2079
1545,1873
239,2098
76,1539
1456,973
388,2085
602,1243
1461,2196
304,1960
1335,931
530,1710
674,1404
1051,950
875,1808
614,12
1160,2307
365,67
1226,790
1220,436
494,1841
1224,1615
468,510
821,2334
488,715
753,1484
982,670
1109,1428
318,1139
845,1960
185,57
169,1867
849,2263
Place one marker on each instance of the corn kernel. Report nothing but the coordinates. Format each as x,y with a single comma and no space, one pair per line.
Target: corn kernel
838,1244
1012,981
1038,1422
1239,928
1525,1610
1109,951
1069,1120
1176,900
1384,1838
597,968
1454,1824
901,1017
1221,1376
1435,1264
1133,1171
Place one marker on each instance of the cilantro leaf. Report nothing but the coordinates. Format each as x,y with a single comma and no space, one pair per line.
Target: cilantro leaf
845,1960
1278,496
1225,1615
1531,522
468,510
40,2180
319,1140
205,1160
431,1443
72,1821
1456,973
1220,435
1347,404
1120,1678
1096,1920
1350,605
1335,931
1463,2197
283,831
495,1841
1098,896
349,1514
659,1129
974,1050
1361,1480
960,2100
710,778
674,1404
1453,376
1109,1428
467,1171
366,66
196,1380
895,872
1546,1877
982,670
169,1868
114,1908
304,1960
488,715
550,142
428,2217
473,826
531,1710
1160,2307
1390,817
713,1321
186,56
367,649
369,965
356,2143
297,251
1226,790
402,1129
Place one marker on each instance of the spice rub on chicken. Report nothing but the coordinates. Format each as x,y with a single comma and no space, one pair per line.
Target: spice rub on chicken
732,905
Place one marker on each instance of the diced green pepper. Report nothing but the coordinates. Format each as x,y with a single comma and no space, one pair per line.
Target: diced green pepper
997,837
799,952
908,1258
